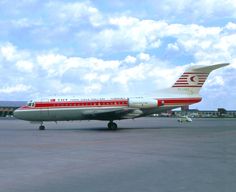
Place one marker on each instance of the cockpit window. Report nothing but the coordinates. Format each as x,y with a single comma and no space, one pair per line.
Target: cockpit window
30,104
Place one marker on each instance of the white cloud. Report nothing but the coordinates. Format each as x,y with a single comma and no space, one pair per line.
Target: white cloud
51,62
194,11
101,65
130,59
124,21
233,63
83,76
14,89
165,76
137,39
136,73
90,76
173,46
216,81
92,88
104,78
25,66
231,26
66,90
76,12
132,34
8,52
129,34
144,57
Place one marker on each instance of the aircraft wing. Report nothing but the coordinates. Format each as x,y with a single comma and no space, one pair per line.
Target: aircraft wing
114,114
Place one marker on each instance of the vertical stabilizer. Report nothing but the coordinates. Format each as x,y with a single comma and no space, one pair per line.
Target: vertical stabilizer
192,80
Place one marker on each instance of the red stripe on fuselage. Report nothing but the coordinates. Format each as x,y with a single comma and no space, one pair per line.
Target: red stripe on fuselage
78,104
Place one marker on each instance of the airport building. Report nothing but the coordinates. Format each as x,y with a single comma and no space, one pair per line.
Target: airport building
7,107
220,112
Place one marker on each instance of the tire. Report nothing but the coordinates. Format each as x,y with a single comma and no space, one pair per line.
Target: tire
41,128
112,126
109,125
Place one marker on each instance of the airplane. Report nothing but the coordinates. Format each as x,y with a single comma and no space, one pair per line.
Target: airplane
185,91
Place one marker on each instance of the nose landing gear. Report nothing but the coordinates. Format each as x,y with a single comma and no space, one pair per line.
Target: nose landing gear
112,126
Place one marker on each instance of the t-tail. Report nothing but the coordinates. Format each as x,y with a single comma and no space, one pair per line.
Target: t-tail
192,80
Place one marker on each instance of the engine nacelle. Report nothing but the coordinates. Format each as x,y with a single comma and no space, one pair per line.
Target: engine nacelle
142,103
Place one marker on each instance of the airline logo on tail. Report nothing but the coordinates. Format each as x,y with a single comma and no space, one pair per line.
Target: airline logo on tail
191,79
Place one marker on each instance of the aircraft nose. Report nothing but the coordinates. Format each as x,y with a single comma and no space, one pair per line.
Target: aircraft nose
17,114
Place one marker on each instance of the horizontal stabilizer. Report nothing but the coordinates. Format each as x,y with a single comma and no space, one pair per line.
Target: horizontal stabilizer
206,69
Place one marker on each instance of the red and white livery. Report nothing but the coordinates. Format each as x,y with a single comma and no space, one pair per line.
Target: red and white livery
184,92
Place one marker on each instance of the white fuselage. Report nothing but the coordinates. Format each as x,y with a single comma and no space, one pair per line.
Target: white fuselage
98,109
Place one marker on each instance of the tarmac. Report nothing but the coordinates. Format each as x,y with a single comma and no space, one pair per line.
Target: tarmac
146,154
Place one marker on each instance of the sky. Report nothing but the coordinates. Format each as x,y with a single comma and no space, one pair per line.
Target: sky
115,48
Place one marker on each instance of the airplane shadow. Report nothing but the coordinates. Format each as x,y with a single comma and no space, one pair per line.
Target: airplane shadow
104,129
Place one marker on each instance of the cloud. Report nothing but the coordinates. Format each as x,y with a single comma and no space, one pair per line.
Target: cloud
59,74
130,34
130,59
8,52
202,11
86,48
51,63
56,74
216,80
93,88
85,29
134,73
231,26
53,73
76,13
173,46
14,89
144,57
25,66
127,34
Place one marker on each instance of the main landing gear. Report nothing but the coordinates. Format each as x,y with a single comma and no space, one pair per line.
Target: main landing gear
112,126
41,127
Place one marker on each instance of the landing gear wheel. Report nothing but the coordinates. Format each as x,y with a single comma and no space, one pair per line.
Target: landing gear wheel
112,126
41,127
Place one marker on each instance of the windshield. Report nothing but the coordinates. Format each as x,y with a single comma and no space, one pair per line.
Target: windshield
30,104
